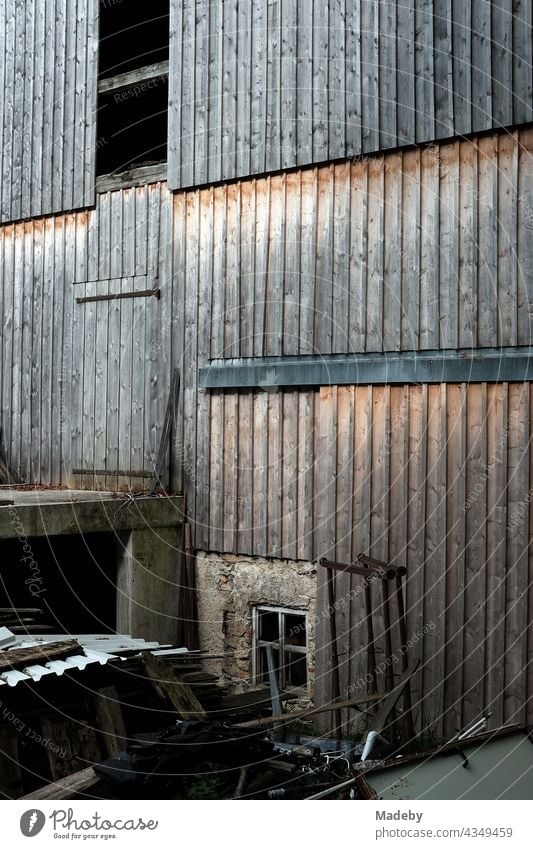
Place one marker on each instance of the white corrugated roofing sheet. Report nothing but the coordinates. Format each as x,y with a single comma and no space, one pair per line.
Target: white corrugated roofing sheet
94,648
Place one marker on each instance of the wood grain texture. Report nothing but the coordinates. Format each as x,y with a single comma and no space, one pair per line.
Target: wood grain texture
300,82
47,106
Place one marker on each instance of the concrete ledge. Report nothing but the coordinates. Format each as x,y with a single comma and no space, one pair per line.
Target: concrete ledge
54,512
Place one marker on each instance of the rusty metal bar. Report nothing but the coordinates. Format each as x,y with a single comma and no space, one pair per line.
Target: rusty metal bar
390,570
335,678
144,293
409,722
122,473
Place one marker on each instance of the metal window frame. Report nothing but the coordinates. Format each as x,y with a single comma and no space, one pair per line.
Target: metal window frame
279,644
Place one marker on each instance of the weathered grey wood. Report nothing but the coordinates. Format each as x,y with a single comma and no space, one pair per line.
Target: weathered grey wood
75,745
354,77
179,694
73,784
110,721
145,74
11,777
44,151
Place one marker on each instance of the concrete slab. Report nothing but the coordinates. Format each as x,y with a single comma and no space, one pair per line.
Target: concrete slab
51,512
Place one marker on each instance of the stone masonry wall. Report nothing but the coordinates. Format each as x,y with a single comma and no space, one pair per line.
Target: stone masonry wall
229,586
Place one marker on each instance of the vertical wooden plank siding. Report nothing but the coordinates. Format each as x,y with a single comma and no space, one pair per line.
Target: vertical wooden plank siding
47,114
357,76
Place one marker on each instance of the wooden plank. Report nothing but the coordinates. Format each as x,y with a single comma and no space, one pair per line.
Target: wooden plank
370,76
341,258
231,461
109,720
75,745
205,288
429,248
522,62
462,65
443,68
304,85
61,224
319,82
374,265
358,253
424,72
507,269
274,474
185,95
11,777
405,52
274,307
113,459
305,462
325,485
336,115
258,84
455,555
179,694
323,333
416,532
219,267
392,251
481,65
497,441
289,472
232,273
67,787
449,217
307,261
502,62
468,229
18,658
260,472
19,60
432,645
518,542
291,261
487,240
60,82
411,251
29,103
387,76
525,242
216,470
288,94
230,40
244,475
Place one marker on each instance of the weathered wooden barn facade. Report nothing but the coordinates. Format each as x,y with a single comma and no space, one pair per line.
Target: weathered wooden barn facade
341,241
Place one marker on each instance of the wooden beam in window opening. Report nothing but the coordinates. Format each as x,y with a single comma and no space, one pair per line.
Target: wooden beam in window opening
138,78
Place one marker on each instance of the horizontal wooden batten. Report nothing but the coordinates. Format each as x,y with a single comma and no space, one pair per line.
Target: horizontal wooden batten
464,366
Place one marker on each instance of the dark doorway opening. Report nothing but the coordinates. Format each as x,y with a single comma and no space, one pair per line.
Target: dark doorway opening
71,579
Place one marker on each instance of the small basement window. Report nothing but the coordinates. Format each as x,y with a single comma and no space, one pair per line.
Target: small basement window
132,87
285,630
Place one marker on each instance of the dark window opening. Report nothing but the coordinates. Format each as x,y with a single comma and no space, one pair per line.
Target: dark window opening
132,34
285,632
132,110
69,583
132,131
